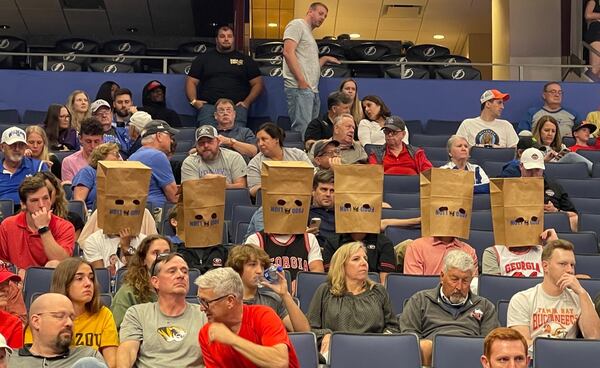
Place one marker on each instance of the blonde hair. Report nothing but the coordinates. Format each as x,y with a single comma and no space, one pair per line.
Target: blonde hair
336,277
77,117
99,153
44,156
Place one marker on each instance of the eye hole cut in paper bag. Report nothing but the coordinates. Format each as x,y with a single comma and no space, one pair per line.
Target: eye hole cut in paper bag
286,194
517,210
201,212
121,193
446,202
358,198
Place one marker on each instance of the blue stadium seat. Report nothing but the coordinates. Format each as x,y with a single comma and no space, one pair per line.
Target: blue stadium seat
306,285
480,240
558,221
436,153
424,140
186,134
586,205
240,232
438,163
32,117
188,121
241,214
284,122
480,155
183,146
502,310
493,169
233,197
496,288
592,286
596,170
414,127
589,222
293,136
389,213
349,350
399,234
193,275
305,344
62,154
457,351
481,202
589,188
588,264
585,242
37,280
592,155
401,183
578,170
78,207
559,353
401,287
402,200
481,220
10,117
441,127
7,208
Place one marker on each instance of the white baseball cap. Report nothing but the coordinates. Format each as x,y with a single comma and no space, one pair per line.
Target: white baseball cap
13,135
139,119
98,104
4,345
533,158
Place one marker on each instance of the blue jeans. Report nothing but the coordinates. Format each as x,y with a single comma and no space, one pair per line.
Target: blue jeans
206,115
89,362
303,106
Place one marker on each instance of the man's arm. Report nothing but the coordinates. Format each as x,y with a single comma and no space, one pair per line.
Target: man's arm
53,250
256,87
489,262
171,192
519,315
243,148
191,86
127,353
237,183
262,356
524,330
588,322
413,260
289,53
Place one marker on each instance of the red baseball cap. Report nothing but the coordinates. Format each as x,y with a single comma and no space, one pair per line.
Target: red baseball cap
5,274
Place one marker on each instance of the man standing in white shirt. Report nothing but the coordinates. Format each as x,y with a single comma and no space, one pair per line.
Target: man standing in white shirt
487,130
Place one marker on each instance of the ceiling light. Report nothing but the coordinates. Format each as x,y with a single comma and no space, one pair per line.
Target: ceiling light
132,30
439,36
354,35
272,25
4,26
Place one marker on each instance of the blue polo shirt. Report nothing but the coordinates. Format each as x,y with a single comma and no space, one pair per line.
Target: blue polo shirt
86,177
162,174
9,183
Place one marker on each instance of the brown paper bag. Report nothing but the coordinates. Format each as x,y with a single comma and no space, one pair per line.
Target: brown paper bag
446,202
286,195
201,212
517,210
121,193
358,198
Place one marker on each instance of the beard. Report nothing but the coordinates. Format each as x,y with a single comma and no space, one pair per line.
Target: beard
457,298
122,113
63,340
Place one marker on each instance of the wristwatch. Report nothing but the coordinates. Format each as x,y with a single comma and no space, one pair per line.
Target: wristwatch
43,230
192,102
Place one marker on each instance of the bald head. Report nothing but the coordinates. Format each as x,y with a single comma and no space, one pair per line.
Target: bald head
45,301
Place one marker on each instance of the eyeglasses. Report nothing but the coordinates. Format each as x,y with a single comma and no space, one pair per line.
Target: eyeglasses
391,132
333,153
60,316
224,111
206,303
161,257
64,116
555,92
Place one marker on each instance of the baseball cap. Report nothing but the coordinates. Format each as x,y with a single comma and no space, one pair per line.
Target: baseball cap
139,119
527,142
153,85
208,131
583,124
157,126
4,345
493,94
98,104
394,123
322,144
5,274
532,158
13,135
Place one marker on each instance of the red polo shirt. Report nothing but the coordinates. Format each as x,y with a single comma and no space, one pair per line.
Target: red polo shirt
402,164
24,248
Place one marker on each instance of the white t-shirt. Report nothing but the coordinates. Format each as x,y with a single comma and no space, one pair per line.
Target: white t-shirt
101,247
307,53
369,132
497,132
547,316
314,253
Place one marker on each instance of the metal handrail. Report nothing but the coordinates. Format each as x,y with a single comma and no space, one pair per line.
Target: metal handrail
402,64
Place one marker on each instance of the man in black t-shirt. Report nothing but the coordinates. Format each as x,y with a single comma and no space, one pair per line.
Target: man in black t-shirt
223,73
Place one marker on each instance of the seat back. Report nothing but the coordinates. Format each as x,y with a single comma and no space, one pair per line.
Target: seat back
585,242
37,280
12,44
591,188
401,184
399,234
436,153
234,197
74,46
402,200
558,353
481,154
426,140
482,220
180,68
493,169
588,264
441,127
7,208
558,221
457,351
502,310
335,71
195,48
410,72
349,350
110,67
401,287
306,285
456,72
576,170
369,51
305,344
496,288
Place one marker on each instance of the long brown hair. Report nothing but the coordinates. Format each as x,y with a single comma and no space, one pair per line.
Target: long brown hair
60,207
556,144
63,276
36,129
138,275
